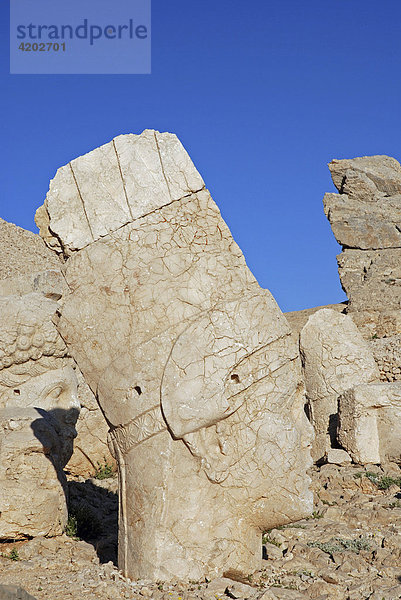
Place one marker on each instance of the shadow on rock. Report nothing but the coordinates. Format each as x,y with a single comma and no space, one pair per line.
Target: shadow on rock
93,515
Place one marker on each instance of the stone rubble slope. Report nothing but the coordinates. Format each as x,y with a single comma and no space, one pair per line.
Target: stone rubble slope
350,549
23,252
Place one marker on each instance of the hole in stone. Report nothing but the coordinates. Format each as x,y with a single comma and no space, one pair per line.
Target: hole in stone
17,392
235,378
138,390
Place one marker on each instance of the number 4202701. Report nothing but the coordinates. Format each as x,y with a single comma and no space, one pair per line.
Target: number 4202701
42,47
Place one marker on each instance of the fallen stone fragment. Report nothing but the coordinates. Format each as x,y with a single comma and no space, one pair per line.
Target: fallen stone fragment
337,456
335,358
370,422
38,411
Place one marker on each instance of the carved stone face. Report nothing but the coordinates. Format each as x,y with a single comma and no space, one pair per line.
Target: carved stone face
34,372
38,412
54,389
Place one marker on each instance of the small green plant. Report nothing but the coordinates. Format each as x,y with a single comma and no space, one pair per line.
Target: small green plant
384,482
396,504
317,515
104,471
82,523
71,528
375,336
341,545
12,555
266,539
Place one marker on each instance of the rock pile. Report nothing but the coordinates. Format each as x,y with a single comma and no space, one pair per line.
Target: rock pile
366,219
347,404
349,549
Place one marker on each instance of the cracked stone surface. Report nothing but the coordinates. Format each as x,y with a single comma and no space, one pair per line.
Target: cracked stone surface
192,362
370,423
350,549
335,358
366,220
28,266
366,214
38,411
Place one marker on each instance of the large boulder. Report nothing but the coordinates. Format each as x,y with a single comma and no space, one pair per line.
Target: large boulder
192,362
335,358
370,422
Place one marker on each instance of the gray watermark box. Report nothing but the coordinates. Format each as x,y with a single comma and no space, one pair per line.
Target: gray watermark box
80,37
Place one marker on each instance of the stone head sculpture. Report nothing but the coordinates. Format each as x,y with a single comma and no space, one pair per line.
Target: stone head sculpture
191,361
38,412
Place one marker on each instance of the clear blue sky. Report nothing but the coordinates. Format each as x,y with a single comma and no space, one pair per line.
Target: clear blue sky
263,94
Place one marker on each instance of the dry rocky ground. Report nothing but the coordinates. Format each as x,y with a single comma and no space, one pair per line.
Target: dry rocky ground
350,549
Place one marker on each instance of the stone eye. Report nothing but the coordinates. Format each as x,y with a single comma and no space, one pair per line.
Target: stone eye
55,393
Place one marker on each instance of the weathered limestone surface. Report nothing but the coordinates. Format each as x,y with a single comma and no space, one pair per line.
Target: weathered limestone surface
335,358
371,279
370,422
38,411
90,445
387,354
27,266
366,220
366,214
298,318
192,362
23,252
